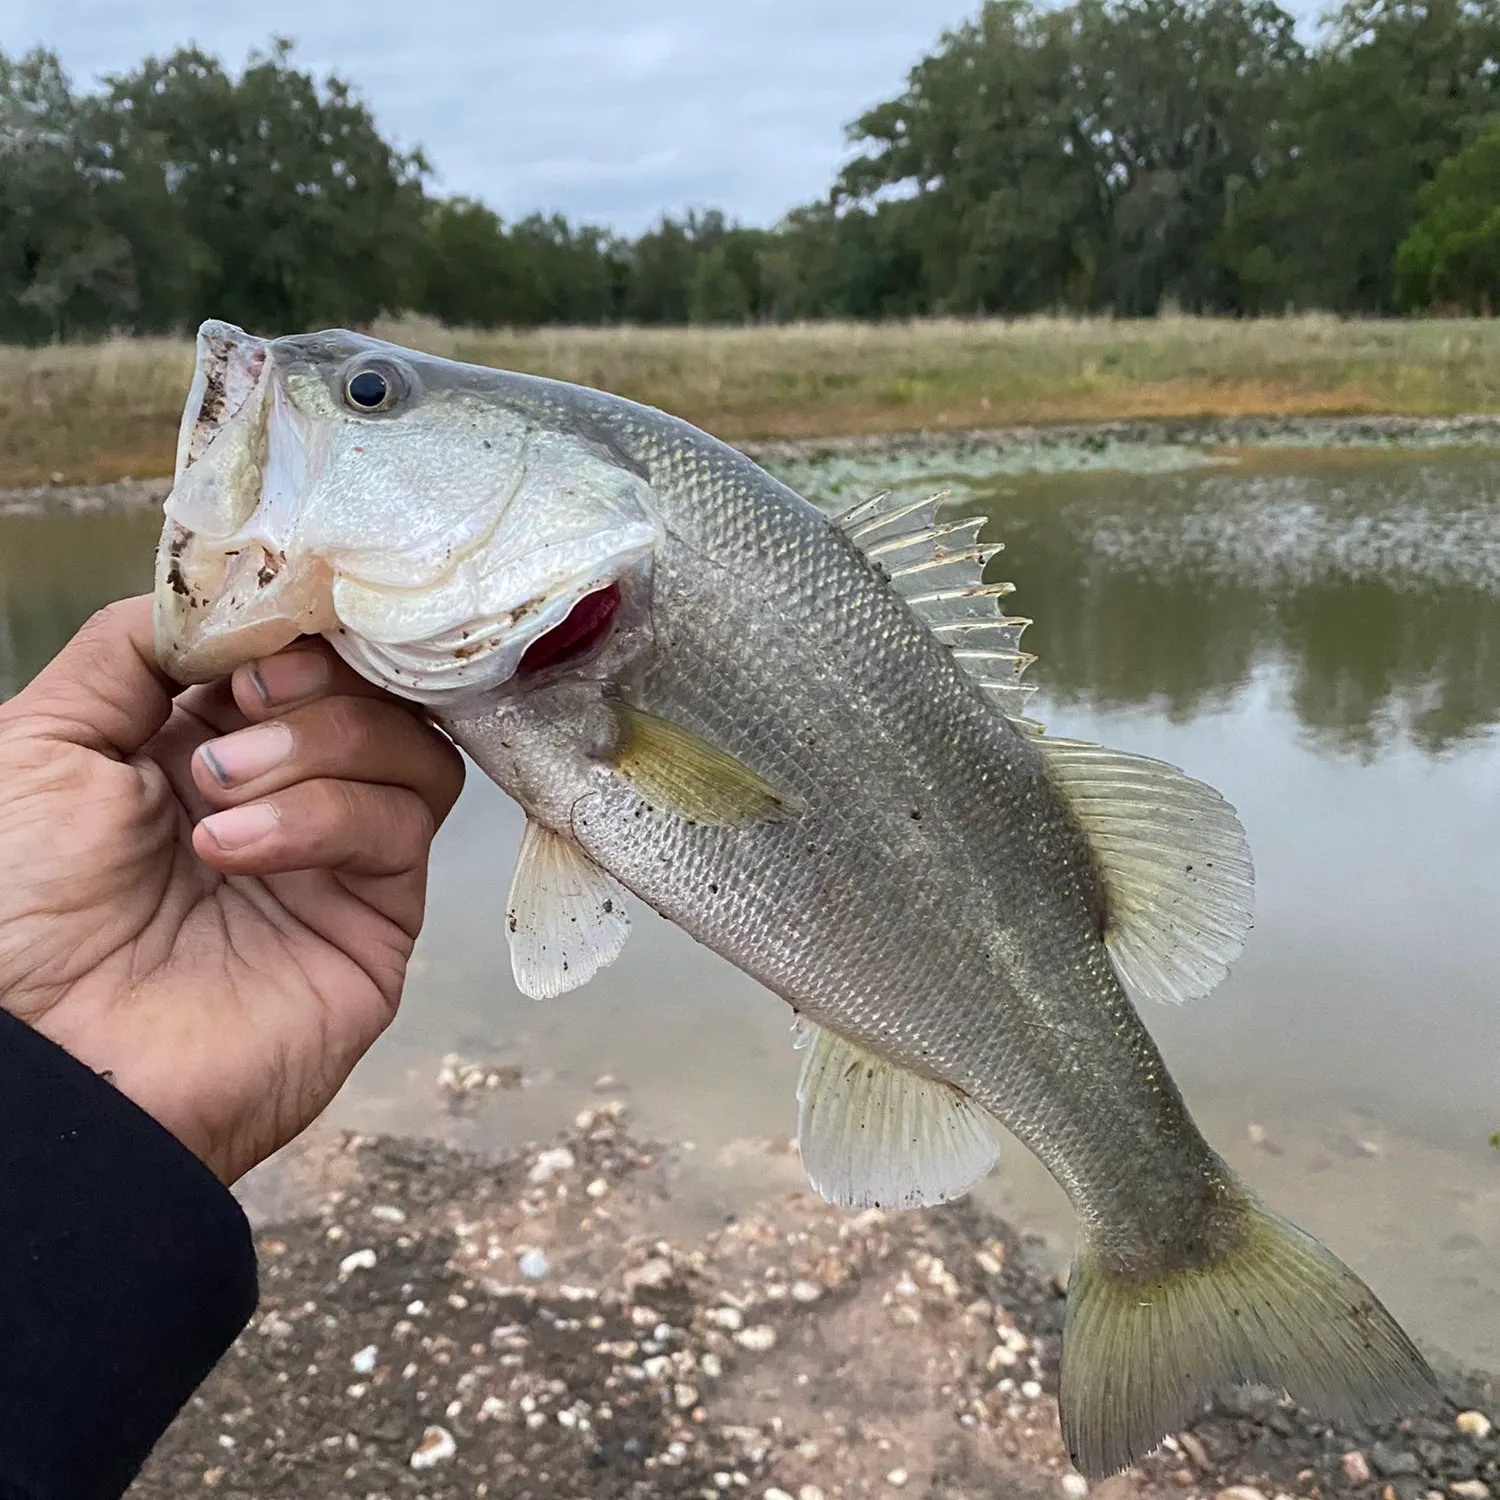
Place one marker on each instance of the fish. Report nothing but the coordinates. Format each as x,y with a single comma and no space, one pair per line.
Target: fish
802,737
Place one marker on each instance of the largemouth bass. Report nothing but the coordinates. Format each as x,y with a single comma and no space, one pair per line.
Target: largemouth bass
802,739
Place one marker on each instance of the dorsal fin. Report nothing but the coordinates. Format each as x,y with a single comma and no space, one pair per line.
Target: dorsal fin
938,568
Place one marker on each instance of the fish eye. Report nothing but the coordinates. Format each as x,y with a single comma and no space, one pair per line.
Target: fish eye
368,389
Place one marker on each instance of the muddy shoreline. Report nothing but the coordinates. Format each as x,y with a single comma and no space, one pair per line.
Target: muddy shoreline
1201,433
439,1323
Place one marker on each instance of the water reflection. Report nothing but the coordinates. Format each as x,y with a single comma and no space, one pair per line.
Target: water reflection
1373,584
56,568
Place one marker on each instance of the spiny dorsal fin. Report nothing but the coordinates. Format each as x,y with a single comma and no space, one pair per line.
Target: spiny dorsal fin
1174,862
565,918
678,770
875,1135
938,568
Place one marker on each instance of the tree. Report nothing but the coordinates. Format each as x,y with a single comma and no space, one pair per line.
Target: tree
301,212
1397,87
1087,156
469,271
66,267
1451,258
582,271
718,294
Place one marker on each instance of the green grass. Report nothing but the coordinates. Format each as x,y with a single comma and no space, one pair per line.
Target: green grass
110,410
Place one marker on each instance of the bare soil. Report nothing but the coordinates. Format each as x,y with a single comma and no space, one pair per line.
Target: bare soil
441,1324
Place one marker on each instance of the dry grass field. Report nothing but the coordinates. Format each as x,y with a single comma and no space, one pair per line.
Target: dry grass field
107,411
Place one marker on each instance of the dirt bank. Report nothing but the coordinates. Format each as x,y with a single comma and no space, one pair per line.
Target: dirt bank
440,1324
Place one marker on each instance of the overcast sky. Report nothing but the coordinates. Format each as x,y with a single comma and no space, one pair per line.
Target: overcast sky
609,110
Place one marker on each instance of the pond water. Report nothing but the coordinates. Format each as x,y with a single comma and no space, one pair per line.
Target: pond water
1315,633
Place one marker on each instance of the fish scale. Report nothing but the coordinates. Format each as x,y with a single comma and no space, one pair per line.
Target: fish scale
796,738
1000,870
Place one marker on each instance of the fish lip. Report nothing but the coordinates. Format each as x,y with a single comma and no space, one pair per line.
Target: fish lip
457,680
225,590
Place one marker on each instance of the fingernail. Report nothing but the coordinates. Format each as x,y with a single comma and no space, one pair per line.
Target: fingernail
246,754
290,676
241,826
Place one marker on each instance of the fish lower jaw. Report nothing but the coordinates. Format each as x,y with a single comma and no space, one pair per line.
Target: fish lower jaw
215,610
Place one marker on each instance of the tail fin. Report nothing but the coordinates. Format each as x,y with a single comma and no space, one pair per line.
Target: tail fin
1139,1360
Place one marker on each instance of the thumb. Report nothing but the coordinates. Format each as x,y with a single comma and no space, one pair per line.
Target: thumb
103,690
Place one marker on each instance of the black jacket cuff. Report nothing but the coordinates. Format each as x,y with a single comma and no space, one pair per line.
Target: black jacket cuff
126,1271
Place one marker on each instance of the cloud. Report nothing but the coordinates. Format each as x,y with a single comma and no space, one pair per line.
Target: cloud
607,110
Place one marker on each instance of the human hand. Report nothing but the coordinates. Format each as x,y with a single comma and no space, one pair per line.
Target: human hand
222,925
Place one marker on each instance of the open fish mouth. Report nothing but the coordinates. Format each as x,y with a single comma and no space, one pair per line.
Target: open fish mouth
549,633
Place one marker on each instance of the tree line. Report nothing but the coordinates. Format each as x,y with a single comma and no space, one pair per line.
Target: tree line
1102,156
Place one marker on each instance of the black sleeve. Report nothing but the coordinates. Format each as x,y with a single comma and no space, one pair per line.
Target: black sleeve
126,1270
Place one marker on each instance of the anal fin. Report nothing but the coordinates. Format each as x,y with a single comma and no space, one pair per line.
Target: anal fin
565,918
876,1135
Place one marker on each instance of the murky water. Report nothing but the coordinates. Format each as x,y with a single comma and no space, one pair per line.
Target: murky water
1317,634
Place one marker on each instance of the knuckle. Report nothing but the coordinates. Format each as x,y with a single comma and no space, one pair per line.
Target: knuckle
95,637
349,727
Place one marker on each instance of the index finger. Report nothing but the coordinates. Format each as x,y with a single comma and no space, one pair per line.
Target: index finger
104,689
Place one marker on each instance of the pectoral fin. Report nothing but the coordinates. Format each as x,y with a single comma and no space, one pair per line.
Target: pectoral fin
566,917
674,768
876,1135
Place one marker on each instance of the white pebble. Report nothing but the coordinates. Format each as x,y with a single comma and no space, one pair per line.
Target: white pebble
758,1339
1075,1486
1031,1389
597,1188
388,1213
686,1396
1240,1492
549,1163
809,1492
363,1363
533,1265
897,1478
360,1260
1474,1424
727,1317
1471,1489
805,1291
437,1447
651,1273
774,1494
415,1309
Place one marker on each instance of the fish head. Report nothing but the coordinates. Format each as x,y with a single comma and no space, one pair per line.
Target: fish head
449,529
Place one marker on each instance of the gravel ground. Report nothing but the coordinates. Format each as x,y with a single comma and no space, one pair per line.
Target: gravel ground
437,1324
